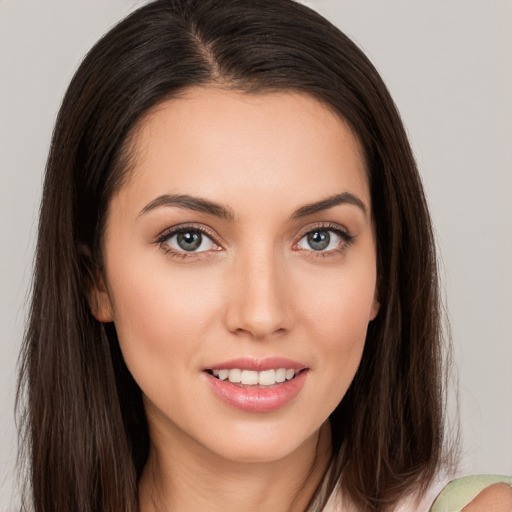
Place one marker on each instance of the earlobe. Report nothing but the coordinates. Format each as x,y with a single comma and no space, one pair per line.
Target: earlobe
99,300
375,310
100,304
96,289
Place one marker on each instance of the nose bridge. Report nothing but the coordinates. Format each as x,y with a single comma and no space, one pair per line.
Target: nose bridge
258,303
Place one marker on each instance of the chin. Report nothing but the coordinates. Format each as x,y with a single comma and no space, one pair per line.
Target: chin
261,442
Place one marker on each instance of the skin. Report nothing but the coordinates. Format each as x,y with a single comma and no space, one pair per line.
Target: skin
496,498
258,290
255,291
254,288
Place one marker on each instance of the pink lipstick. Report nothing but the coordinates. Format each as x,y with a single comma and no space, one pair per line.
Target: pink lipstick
257,385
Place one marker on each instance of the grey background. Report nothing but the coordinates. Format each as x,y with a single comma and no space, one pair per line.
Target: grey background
448,65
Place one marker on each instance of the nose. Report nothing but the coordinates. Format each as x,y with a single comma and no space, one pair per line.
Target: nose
259,301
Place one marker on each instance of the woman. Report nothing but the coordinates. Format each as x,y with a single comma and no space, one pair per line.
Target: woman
235,299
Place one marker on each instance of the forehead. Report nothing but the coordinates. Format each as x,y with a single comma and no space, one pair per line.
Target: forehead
225,144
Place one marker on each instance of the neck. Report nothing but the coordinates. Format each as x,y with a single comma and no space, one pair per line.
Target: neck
181,479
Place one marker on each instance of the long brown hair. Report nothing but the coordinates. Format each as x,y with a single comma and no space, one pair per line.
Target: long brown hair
83,423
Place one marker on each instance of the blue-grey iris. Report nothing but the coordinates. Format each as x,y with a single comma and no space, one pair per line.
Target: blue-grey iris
189,240
319,240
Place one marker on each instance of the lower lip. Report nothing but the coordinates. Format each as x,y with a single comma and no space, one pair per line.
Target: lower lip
253,399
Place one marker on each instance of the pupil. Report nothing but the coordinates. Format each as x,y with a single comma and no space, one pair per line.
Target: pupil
319,240
189,240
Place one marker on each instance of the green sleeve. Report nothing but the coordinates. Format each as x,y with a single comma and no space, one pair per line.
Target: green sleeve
458,493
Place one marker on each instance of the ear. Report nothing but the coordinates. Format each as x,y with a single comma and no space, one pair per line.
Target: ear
95,288
374,311
99,300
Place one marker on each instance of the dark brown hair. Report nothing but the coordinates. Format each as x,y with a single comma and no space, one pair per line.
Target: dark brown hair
83,425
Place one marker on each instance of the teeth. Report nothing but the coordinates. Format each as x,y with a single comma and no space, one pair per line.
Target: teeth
281,375
267,378
223,374
252,378
248,377
235,375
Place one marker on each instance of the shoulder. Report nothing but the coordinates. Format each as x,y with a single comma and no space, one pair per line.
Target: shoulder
495,498
492,493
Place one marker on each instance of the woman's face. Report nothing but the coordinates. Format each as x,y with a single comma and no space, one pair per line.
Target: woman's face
241,247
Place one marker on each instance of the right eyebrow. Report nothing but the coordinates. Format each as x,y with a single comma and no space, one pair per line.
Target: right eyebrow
187,202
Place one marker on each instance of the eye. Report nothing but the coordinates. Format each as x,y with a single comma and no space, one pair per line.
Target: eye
324,240
188,240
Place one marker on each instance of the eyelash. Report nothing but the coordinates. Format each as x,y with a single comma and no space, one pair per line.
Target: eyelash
345,236
182,255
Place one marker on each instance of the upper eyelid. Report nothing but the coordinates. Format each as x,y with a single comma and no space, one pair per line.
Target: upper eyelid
326,225
167,233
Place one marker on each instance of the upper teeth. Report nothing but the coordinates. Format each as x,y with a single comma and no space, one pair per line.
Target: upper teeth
248,377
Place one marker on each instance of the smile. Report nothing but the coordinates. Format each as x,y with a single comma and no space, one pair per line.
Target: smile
254,378
257,385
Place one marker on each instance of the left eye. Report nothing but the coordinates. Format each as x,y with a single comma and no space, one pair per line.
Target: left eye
190,240
320,240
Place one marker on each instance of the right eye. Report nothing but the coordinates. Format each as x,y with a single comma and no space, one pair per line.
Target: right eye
188,240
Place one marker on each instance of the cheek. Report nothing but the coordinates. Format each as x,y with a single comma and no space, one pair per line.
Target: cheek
341,305
159,317
337,313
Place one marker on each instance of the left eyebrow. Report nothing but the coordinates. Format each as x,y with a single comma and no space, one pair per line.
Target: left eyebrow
329,202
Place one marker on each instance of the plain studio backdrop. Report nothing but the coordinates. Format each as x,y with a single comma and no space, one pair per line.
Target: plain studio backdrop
448,65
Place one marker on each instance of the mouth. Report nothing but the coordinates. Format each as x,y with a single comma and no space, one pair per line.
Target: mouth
257,385
255,379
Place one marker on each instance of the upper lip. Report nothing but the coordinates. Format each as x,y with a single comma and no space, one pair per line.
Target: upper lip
259,365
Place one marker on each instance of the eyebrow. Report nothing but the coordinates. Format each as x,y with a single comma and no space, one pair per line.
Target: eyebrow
198,204
329,202
187,202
